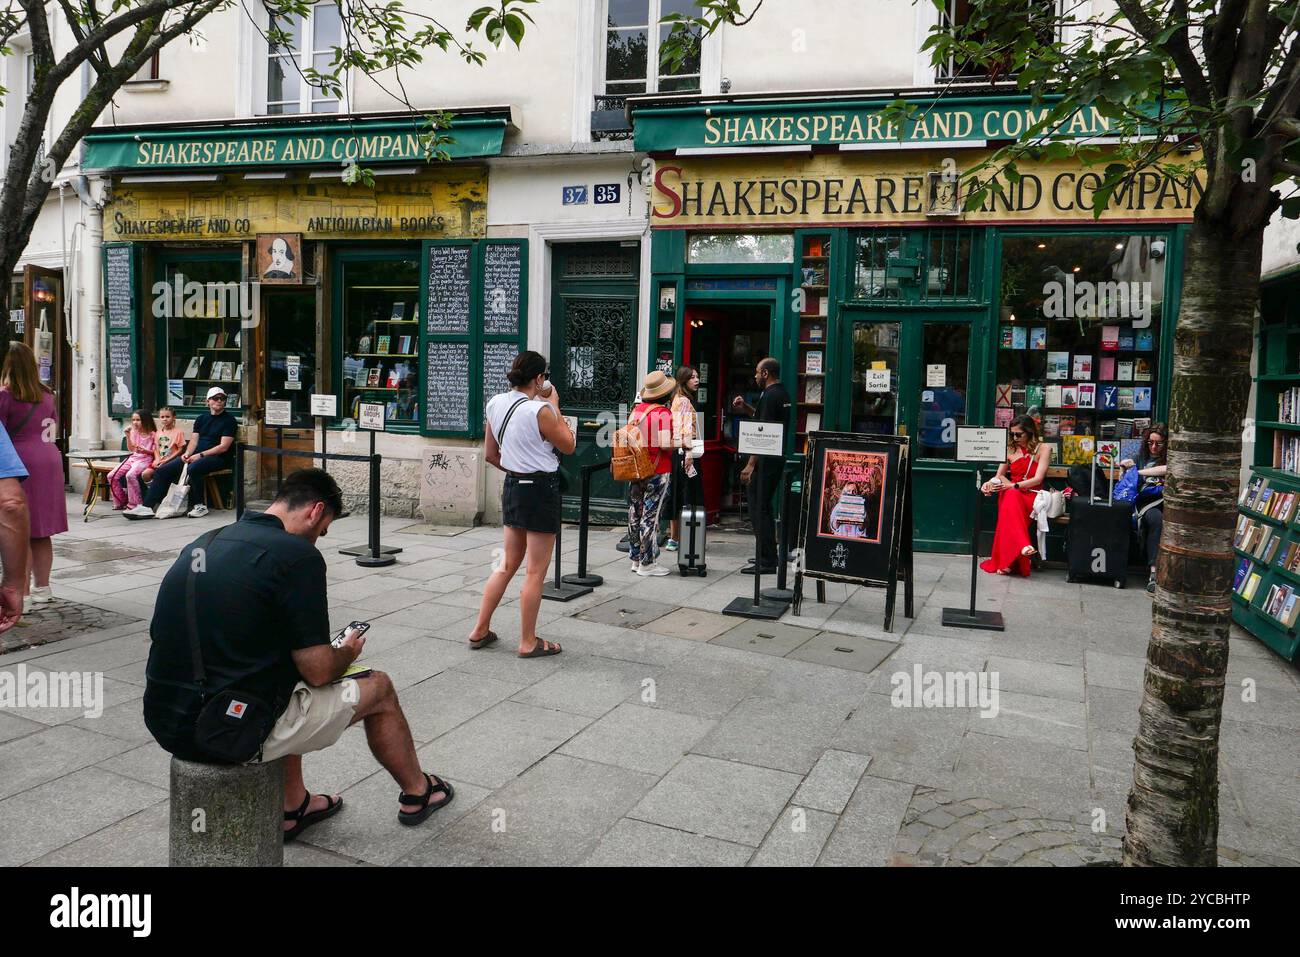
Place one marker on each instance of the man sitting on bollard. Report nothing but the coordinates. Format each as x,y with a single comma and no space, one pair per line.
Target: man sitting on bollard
262,621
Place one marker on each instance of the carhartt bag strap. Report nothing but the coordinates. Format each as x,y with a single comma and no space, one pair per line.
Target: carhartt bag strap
191,615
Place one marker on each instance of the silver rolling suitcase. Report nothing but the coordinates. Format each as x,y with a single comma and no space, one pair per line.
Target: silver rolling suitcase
690,547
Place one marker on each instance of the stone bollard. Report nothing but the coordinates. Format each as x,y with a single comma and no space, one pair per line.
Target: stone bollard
225,815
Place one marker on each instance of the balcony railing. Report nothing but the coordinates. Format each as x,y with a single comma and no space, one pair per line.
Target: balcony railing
609,118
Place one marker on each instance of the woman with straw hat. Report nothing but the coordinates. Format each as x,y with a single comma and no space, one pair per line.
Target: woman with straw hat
646,497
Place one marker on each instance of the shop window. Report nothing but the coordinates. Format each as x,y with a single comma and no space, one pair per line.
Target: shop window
946,352
715,248
917,265
1041,19
633,39
200,308
150,70
381,336
1079,338
311,46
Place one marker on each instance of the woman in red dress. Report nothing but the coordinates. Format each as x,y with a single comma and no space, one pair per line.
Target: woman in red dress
1016,484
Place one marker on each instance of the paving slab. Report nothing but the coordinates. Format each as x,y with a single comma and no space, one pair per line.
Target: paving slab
766,637
646,739
866,831
591,686
691,624
1042,678
796,839
845,651
832,781
501,743
770,733
436,705
552,816
1036,718
626,612
34,759
632,843
732,802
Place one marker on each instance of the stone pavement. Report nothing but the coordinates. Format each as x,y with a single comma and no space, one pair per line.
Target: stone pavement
666,733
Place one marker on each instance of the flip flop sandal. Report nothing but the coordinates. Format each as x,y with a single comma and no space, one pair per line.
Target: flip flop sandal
543,649
303,820
422,801
483,642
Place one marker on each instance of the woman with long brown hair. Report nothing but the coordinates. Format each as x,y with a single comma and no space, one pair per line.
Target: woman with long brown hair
30,416
686,429
1152,465
1015,485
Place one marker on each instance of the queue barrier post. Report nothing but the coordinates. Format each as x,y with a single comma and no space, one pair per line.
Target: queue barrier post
584,515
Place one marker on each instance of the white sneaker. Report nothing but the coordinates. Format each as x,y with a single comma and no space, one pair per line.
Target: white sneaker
653,571
39,596
140,511
198,511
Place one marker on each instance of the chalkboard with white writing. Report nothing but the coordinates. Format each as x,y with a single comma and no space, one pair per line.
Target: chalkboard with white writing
498,357
446,372
117,283
450,282
121,374
502,282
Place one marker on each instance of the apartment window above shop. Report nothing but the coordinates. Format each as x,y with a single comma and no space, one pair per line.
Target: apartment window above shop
311,45
634,38
1041,17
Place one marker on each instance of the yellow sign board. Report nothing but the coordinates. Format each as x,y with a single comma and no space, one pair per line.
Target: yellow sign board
450,203
877,188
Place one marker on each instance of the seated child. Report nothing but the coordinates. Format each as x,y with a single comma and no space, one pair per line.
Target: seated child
140,442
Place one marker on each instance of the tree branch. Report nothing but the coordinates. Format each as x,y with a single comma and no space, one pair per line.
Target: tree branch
1178,48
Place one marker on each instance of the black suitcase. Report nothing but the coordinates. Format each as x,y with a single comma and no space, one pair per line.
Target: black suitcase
1097,542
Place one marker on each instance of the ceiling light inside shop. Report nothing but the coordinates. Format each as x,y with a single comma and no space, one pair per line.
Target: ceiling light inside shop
1042,245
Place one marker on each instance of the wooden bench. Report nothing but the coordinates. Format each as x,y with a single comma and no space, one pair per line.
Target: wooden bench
214,490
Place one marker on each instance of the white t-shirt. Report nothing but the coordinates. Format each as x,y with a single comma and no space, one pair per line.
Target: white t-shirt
524,450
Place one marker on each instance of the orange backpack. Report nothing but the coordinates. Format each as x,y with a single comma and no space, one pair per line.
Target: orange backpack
630,460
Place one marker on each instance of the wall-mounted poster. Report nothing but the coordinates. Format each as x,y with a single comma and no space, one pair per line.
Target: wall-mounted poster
855,519
279,257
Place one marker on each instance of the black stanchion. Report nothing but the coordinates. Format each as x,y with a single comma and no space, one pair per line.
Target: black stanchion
971,618
558,590
781,592
279,459
742,607
376,556
584,514
372,546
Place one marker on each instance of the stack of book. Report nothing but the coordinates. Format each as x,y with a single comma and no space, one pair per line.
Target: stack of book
1280,603
1288,406
1286,452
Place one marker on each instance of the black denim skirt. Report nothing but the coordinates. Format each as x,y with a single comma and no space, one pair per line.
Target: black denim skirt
532,502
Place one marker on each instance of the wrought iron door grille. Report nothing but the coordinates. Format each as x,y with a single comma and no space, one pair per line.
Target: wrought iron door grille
595,372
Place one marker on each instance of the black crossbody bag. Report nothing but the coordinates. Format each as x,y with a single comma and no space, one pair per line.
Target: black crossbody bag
232,724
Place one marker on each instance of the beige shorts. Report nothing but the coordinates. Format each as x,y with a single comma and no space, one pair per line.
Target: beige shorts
314,719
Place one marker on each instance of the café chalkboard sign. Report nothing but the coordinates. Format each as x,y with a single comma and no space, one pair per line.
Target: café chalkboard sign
502,282
446,374
498,357
118,282
449,306
121,374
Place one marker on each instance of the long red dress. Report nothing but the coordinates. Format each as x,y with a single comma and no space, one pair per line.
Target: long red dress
1012,532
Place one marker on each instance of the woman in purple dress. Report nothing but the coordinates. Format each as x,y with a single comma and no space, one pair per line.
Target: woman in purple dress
29,415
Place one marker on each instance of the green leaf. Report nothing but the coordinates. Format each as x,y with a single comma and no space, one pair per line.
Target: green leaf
515,29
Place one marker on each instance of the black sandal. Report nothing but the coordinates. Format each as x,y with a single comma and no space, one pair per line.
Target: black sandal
302,820
476,644
542,649
422,800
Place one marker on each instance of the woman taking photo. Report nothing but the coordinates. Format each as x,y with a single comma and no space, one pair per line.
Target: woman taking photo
686,429
28,412
1152,466
525,431
645,498
1015,485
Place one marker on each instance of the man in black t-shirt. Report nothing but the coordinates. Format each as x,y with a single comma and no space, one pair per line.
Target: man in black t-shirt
262,621
208,451
773,406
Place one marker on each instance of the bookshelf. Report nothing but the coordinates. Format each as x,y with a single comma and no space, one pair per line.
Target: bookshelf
811,361
382,336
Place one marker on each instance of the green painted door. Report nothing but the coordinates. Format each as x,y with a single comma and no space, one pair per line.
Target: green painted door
593,360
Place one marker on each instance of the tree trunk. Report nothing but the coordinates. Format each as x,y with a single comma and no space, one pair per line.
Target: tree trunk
1173,815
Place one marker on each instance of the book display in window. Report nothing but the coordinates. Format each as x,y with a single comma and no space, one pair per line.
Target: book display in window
381,323
814,294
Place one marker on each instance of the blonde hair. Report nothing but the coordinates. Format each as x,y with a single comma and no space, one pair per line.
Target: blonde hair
1030,427
19,374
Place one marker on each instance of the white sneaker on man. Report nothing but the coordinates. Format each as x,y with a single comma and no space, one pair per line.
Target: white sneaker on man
40,596
653,571
198,511
138,511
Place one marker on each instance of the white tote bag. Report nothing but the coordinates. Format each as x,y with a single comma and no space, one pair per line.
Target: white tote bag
177,502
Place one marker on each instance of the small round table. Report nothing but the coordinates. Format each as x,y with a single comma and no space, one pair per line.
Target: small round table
98,463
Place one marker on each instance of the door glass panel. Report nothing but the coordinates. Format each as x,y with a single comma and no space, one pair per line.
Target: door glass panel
875,378
945,353
594,371
291,350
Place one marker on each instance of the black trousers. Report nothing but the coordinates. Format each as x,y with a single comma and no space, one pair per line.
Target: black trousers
767,476
170,473
1152,524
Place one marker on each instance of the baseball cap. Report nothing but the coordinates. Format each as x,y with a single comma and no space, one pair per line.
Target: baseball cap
215,391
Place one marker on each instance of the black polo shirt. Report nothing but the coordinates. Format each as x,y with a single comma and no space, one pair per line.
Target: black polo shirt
211,429
259,596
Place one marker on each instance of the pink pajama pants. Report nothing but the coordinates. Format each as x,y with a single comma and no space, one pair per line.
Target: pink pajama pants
129,470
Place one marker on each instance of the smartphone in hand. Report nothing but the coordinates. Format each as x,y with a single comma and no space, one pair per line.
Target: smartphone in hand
360,627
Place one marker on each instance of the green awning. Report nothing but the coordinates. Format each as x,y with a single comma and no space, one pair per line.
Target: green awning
663,124
278,144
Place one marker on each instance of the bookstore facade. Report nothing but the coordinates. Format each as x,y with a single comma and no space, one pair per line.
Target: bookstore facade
236,259
807,230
